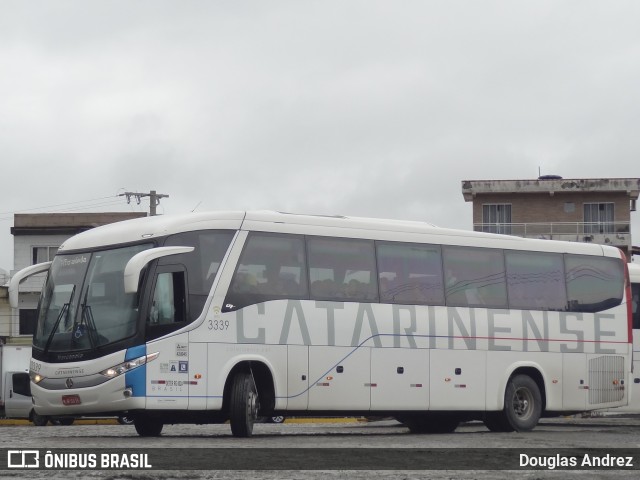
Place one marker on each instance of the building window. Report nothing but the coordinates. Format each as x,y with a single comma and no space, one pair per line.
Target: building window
28,320
496,218
43,254
598,218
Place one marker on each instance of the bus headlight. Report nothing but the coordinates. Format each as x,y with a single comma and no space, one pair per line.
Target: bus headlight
35,377
129,365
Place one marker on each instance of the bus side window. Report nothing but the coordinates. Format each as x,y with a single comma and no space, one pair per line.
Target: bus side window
168,302
410,273
474,277
271,267
593,283
342,269
202,263
535,280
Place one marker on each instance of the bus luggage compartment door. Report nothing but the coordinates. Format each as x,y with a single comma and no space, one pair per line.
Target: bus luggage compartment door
399,379
458,379
339,378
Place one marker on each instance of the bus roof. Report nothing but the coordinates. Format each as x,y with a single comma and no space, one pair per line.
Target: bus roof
139,229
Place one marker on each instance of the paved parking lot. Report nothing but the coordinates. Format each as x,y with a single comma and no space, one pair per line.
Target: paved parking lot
387,436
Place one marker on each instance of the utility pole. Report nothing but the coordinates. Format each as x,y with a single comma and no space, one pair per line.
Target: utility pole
154,199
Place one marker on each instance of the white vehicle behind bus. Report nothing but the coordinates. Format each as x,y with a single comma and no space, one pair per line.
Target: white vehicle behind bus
207,317
634,388
14,359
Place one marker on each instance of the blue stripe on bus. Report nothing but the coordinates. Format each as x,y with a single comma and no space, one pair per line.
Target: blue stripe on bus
136,379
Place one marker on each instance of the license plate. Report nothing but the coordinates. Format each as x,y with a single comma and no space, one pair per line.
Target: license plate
71,400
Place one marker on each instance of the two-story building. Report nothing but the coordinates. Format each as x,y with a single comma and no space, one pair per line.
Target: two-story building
36,239
551,207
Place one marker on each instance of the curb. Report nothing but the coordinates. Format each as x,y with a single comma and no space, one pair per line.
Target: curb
113,421
79,421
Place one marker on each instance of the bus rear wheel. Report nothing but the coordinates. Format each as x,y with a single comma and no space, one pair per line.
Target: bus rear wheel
522,404
148,427
243,405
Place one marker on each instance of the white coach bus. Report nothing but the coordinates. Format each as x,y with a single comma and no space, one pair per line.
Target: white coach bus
634,390
208,317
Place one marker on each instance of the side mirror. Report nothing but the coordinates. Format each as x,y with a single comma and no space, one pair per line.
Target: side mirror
23,275
138,261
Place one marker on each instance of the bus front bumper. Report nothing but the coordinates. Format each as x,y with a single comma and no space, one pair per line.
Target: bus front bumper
111,396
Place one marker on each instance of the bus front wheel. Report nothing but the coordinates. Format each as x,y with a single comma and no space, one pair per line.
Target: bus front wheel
243,405
522,404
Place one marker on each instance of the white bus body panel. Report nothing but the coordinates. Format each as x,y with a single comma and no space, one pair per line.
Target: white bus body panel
297,377
399,379
168,380
197,373
106,397
633,383
340,378
458,379
574,392
223,357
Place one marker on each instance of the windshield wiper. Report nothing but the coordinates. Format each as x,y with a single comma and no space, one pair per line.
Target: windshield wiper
63,311
87,320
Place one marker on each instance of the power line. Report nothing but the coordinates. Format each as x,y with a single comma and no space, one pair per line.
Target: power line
56,205
154,199
111,200
89,207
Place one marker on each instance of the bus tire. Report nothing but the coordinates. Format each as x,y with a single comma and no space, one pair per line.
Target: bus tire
39,420
432,423
66,421
243,405
148,427
522,403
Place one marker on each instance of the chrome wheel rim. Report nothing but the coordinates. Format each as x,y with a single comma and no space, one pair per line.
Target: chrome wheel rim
522,403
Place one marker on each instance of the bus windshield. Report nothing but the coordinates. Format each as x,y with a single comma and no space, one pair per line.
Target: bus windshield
83,304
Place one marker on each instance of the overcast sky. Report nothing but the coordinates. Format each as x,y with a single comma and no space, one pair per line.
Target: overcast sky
363,108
